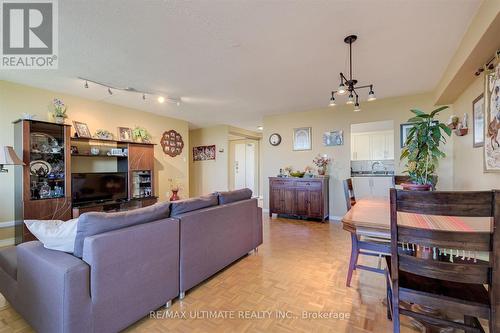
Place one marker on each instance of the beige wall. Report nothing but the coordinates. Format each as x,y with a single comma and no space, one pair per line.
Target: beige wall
209,176
340,118
16,99
468,161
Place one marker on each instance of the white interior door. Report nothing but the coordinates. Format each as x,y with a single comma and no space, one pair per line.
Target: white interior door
239,166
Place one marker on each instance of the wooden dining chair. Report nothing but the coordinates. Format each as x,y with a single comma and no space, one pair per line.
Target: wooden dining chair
440,269
350,199
364,242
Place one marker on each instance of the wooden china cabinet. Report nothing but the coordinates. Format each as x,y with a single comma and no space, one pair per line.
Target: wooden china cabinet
299,197
42,185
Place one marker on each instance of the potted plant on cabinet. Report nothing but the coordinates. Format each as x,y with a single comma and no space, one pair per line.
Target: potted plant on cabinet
421,149
59,111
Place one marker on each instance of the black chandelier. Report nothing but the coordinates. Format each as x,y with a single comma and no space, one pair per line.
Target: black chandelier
349,85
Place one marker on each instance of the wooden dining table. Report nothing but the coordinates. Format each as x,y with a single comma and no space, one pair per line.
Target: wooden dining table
374,215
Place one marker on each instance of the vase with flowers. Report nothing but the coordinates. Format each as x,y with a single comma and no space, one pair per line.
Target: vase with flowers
59,110
175,187
322,161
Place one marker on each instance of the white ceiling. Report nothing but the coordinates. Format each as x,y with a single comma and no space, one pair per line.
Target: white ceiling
235,61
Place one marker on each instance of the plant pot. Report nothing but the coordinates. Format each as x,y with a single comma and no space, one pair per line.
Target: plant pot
416,187
59,120
174,196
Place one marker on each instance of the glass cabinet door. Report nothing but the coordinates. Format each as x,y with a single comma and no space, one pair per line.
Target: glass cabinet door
47,161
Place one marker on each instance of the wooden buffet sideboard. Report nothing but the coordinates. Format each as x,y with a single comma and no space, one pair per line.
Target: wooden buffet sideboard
299,197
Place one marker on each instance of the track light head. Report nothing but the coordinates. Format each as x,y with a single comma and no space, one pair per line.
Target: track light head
86,85
143,97
161,99
109,91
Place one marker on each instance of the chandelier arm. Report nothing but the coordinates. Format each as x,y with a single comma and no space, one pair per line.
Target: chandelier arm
365,86
343,77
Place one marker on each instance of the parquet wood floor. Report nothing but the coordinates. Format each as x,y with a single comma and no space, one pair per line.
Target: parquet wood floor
301,266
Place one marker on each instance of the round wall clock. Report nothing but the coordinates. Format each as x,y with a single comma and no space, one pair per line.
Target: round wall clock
172,143
275,139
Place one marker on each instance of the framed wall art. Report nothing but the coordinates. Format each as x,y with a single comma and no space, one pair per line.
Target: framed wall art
333,138
204,153
302,138
492,120
172,143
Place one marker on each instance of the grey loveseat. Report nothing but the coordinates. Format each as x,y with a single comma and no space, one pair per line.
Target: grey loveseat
127,264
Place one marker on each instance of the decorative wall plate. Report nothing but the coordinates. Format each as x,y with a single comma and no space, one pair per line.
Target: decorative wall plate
172,143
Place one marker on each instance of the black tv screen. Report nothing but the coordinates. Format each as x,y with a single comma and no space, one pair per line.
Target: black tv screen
98,187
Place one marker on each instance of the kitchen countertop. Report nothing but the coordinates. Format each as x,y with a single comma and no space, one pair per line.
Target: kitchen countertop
372,174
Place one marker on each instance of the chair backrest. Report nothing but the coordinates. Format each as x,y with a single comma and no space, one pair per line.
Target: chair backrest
350,199
440,254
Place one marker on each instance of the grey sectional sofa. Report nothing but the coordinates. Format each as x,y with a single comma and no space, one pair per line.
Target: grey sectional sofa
127,264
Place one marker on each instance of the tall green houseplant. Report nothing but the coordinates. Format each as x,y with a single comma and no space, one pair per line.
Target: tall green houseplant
422,146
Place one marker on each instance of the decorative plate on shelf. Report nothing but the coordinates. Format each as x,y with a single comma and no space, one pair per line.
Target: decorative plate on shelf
40,168
42,142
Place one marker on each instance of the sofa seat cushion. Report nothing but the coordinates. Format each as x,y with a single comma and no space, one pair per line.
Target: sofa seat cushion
233,196
8,261
94,223
188,205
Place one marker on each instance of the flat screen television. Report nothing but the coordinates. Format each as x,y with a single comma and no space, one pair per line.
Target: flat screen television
98,187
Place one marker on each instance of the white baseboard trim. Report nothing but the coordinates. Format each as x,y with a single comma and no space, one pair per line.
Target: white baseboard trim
7,224
335,218
7,242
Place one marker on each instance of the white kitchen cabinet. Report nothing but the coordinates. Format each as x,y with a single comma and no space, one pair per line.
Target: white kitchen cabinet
366,187
372,146
360,147
381,186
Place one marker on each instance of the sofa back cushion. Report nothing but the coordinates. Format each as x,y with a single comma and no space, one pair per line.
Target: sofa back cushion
188,205
233,196
94,223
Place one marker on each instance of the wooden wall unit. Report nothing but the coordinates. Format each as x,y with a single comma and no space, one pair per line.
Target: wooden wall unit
48,146
301,197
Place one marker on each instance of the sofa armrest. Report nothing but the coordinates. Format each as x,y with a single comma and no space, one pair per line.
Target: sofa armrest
53,289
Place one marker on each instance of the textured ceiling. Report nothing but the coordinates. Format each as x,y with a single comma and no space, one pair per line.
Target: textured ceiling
235,61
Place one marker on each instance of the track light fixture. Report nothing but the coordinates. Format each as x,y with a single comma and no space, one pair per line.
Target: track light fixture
349,84
110,89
